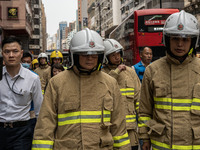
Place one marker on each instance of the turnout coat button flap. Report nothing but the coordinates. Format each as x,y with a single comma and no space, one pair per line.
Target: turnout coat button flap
195,107
196,132
69,106
108,102
156,127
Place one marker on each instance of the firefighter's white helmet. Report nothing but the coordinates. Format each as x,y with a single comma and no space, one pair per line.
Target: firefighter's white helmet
42,55
181,24
112,46
86,42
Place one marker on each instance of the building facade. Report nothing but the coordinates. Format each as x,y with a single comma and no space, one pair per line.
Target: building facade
16,18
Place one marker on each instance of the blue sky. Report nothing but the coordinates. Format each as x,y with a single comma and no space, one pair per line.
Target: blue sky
57,11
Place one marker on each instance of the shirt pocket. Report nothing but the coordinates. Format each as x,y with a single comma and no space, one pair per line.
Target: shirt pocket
23,98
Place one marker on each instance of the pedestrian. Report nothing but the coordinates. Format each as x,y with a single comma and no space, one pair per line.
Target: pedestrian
56,68
129,84
56,57
18,87
35,64
27,60
43,64
146,58
82,107
169,109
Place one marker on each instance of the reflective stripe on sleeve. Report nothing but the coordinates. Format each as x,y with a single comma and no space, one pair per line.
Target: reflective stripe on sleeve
120,141
130,118
127,91
137,105
42,145
173,104
83,117
142,121
195,104
162,146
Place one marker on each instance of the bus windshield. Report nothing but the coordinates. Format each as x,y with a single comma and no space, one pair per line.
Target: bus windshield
151,23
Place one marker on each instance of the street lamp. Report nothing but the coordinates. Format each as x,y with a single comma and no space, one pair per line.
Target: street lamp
160,3
99,7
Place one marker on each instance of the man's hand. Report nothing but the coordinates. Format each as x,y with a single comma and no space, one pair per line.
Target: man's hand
146,145
121,67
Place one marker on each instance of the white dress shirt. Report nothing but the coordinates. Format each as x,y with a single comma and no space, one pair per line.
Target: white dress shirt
16,94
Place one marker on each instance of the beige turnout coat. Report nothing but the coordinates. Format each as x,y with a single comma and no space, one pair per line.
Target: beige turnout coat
40,70
169,109
129,84
81,112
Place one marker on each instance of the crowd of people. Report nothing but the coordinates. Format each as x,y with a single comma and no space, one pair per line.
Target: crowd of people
99,102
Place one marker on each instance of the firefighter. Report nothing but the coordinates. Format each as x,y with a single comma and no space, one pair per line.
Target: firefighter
35,64
56,57
169,109
82,107
129,84
43,64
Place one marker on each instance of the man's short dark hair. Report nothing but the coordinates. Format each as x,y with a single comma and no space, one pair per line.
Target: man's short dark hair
141,49
11,39
27,54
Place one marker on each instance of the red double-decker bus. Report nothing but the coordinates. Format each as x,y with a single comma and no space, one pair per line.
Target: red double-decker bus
142,28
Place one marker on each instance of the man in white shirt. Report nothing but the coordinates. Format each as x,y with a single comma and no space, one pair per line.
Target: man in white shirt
18,87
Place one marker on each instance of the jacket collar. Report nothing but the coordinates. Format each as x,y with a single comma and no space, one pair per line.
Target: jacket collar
76,71
173,60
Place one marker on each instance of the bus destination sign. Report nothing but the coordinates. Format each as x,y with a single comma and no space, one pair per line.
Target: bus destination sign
154,22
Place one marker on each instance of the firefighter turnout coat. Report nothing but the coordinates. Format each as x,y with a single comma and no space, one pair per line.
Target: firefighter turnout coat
169,109
45,79
40,70
81,112
129,84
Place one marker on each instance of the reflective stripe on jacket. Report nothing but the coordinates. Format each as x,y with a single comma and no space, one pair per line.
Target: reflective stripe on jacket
169,109
129,84
81,112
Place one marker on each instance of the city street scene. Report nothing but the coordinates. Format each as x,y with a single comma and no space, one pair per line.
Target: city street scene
100,75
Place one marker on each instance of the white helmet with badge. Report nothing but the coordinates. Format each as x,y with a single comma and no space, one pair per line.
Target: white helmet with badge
87,42
181,24
112,46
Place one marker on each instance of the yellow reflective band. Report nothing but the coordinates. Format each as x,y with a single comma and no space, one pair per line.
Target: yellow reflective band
120,141
130,118
196,100
83,117
42,92
42,145
162,99
173,104
144,118
158,145
127,91
142,121
137,103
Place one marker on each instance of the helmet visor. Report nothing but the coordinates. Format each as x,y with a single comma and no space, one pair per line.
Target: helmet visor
180,35
89,53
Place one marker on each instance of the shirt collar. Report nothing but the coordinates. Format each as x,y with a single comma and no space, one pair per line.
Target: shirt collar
21,72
